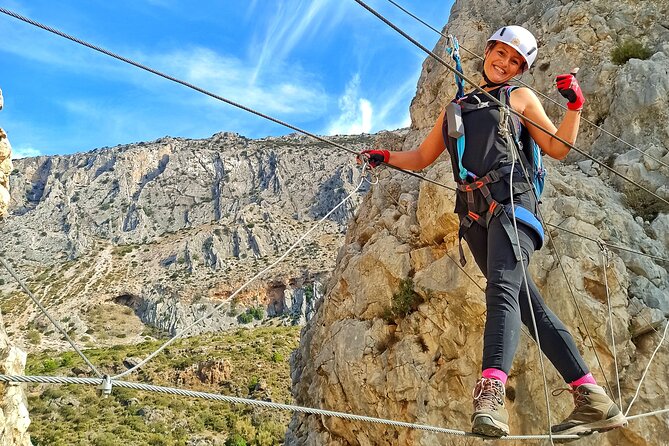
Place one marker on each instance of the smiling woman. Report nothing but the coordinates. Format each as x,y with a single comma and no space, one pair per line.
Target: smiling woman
295,59
497,170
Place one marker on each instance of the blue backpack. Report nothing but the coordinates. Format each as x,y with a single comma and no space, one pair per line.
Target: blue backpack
527,148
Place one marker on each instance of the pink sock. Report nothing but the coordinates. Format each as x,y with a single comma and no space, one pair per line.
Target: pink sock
585,379
495,374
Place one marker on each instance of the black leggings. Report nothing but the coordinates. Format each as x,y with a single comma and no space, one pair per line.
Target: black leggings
507,303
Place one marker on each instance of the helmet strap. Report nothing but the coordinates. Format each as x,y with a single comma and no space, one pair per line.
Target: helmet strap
488,82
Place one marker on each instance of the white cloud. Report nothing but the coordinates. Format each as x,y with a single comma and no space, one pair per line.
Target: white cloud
24,152
289,90
294,23
285,89
359,114
393,112
397,97
356,112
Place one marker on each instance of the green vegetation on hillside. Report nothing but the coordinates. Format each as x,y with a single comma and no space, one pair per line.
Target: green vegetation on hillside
76,415
630,49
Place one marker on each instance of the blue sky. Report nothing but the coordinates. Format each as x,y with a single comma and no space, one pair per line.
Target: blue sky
327,66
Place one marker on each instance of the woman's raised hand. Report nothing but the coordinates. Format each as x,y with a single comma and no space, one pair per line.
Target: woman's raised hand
568,87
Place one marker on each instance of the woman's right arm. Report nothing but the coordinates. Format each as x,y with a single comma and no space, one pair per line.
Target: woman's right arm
425,154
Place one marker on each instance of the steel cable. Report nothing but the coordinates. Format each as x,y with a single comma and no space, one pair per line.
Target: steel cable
46,313
496,101
108,384
524,84
199,89
248,282
608,245
258,403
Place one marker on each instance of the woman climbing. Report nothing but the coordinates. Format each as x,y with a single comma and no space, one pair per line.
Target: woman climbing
491,169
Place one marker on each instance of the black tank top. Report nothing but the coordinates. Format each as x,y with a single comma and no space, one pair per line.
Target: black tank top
485,148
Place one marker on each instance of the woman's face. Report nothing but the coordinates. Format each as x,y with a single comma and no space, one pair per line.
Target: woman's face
502,62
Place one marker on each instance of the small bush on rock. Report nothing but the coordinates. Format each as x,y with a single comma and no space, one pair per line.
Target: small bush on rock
630,49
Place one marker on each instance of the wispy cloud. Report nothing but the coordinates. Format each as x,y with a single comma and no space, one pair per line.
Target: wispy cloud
360,113
355,112
294,22
289,90
393,112
24,152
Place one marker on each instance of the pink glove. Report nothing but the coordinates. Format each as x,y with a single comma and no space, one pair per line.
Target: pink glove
568,87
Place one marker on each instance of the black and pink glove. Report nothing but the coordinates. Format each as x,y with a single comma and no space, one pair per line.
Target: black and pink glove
568,87
374,157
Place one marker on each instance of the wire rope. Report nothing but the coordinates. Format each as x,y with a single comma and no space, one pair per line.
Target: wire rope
608,245
496,101
605,264
504,129
46,313
643,376
198,89
524,84
107,384
247,283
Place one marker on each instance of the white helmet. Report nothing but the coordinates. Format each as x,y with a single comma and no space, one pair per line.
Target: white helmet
519,39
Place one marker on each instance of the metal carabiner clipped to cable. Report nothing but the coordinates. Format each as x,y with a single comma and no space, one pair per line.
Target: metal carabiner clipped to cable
606,253
372,173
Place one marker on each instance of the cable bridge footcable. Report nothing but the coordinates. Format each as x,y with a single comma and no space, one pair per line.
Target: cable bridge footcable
106,384
109,381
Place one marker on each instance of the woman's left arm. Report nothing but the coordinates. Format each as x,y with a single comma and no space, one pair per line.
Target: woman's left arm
525,102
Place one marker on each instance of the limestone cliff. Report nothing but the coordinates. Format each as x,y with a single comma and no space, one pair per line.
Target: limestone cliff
358,356
5,167
14,419
159,233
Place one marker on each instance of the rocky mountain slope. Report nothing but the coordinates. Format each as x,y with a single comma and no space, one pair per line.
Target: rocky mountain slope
399,334
170,229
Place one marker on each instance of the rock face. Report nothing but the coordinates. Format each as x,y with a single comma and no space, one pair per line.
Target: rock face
170,229
357,355
14,419
5,167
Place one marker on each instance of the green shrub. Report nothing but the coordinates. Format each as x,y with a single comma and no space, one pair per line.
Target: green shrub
67,359
235,440
257,312
34,336
253,383
309,292
49,365
644,204
245,318
630,49
277,357
404,302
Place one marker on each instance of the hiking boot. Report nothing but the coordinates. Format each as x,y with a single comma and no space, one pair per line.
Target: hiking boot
490,418
594,412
